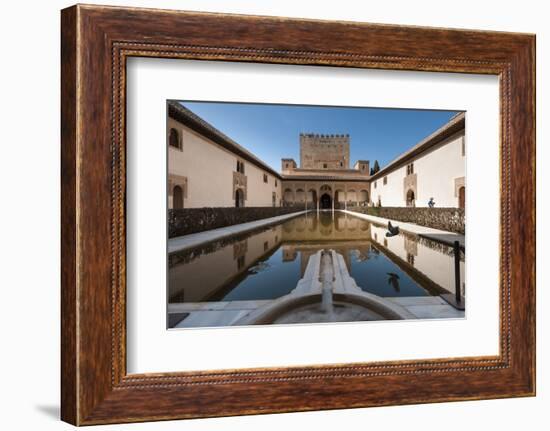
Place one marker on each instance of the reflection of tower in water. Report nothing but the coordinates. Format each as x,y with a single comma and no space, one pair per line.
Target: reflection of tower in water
289,253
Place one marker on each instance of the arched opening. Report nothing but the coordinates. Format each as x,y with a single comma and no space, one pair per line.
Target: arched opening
174,139
177,197
312,196
352,197
410,199
339,199
288,197
364,197
300,196
239,198
326,201
462,197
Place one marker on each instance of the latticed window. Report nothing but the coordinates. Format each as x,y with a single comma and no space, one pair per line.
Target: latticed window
240,166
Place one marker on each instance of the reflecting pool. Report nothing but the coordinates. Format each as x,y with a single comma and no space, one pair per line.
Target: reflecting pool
251,269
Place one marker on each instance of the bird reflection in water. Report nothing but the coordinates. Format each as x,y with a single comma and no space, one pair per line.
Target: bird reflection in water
393,280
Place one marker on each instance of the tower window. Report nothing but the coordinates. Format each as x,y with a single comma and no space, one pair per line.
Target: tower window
265,178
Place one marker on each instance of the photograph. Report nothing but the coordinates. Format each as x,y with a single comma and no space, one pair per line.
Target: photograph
281,214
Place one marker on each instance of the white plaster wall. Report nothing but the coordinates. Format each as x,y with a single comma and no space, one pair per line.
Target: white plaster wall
436,171
260,193
391,194
209,170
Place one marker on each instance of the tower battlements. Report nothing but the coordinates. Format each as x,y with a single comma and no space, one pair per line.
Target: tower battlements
324,151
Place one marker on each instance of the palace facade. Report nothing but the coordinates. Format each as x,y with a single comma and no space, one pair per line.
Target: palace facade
206,168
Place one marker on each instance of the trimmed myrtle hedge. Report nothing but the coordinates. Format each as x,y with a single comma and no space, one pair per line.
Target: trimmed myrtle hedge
191,220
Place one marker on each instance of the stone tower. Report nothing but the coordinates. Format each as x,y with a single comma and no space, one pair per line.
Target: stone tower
324,151
362,166
287,165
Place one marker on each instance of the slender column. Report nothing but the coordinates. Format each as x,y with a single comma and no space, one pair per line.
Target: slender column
346,197
333,192
318,198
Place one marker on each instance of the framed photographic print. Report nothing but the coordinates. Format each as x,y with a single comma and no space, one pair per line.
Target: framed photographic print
264,215
316,249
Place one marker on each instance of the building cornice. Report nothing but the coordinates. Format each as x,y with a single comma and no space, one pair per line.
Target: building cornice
189,119
325,178
455,125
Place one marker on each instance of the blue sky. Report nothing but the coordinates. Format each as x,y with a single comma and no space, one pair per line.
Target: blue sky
272,132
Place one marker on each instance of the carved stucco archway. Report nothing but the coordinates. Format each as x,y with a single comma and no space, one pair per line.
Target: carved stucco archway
460,187
177,197
239,198
173,182
411,198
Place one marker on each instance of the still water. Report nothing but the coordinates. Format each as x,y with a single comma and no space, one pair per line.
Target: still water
268,263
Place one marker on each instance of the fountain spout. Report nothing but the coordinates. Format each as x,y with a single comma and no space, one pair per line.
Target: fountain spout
327,279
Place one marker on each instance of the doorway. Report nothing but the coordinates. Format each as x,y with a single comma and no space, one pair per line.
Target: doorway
239,198
326,202
462,197
177,198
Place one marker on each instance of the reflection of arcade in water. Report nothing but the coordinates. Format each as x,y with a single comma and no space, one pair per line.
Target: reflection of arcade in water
268,264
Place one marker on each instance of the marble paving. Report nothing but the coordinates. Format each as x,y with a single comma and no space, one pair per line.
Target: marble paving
226,313
428,307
